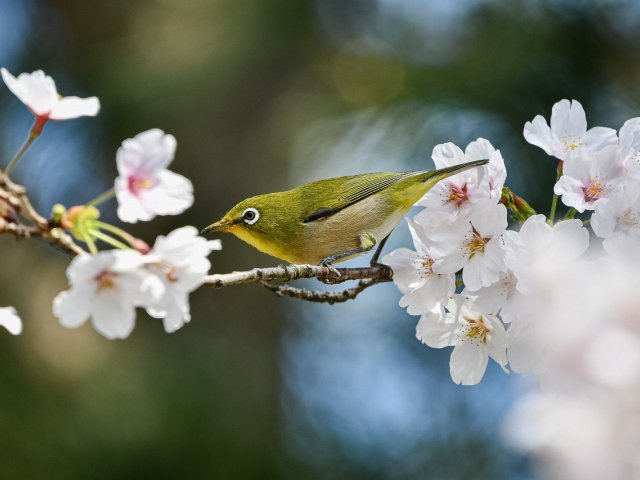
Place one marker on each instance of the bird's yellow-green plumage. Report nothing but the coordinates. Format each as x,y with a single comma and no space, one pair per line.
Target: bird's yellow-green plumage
329,217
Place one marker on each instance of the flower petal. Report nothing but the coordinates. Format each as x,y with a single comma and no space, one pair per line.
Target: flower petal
73,107
468,363
10,320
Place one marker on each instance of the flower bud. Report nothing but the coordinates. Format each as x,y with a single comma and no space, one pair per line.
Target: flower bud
140,245
79,220
519,207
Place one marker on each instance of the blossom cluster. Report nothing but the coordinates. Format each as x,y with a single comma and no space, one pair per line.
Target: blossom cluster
108,285
547,297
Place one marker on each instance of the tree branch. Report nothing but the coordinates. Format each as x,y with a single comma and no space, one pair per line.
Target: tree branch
16,198
367,276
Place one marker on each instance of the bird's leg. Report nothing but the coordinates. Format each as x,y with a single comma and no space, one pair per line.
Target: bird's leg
374,260
367,242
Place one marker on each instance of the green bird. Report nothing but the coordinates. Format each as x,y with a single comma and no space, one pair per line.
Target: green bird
331,220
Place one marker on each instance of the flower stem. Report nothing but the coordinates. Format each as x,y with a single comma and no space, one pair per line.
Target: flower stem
36,130
130,239
103,197
90,243
554,202
107,239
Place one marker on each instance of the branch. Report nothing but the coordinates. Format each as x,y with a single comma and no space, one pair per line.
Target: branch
16,198
367,276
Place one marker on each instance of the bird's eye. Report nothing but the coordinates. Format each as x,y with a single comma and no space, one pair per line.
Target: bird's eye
250,216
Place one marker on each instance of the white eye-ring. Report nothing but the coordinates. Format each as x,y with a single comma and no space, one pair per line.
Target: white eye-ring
250,216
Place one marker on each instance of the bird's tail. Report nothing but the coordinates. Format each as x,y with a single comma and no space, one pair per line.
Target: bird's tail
435,176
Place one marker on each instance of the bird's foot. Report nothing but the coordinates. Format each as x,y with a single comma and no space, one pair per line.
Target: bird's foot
335,273
388,272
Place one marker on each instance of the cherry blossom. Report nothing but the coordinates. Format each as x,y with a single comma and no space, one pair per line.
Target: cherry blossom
107,287
629,148
145,187
414,276
10,320
38,92
588,177
539,245
466,188
475,337
470,241
180,262
618,216
568,131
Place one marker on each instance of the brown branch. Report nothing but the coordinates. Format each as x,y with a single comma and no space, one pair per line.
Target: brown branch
15,197
322,297
367,276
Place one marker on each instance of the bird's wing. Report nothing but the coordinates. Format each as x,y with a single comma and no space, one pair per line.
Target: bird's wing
354,189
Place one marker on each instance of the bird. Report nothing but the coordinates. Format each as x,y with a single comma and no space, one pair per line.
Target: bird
328,221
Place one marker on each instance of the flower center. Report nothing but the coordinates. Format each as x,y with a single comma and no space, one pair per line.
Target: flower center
593,191
477,242
425,266
570,143
136,184
458,194
105,280
629,220
476,329
171,274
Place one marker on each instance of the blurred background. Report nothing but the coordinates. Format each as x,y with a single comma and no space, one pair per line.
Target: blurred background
263,95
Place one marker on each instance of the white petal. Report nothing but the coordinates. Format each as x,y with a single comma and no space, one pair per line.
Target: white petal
172,195
468,362
73,107
434,331
36,90
538,133
10,320
130,207
402,262
568,118
72,308
146,154
113,317
489,218
598,138
447,154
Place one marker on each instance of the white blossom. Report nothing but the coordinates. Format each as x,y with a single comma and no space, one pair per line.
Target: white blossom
180,262
414,276
539,245
629,148
466,188
38,92
107,287
568,131
145,187
588,177
10,320
475,337
471,240
618,216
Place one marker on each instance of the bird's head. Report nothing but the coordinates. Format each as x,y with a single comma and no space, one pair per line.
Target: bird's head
257,216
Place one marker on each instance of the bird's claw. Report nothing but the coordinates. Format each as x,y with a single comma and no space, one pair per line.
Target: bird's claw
335,273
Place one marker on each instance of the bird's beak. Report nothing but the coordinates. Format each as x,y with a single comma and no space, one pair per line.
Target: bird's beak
220,226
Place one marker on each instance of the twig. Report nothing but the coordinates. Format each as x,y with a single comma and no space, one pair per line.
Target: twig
17,198
368,277
321,297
